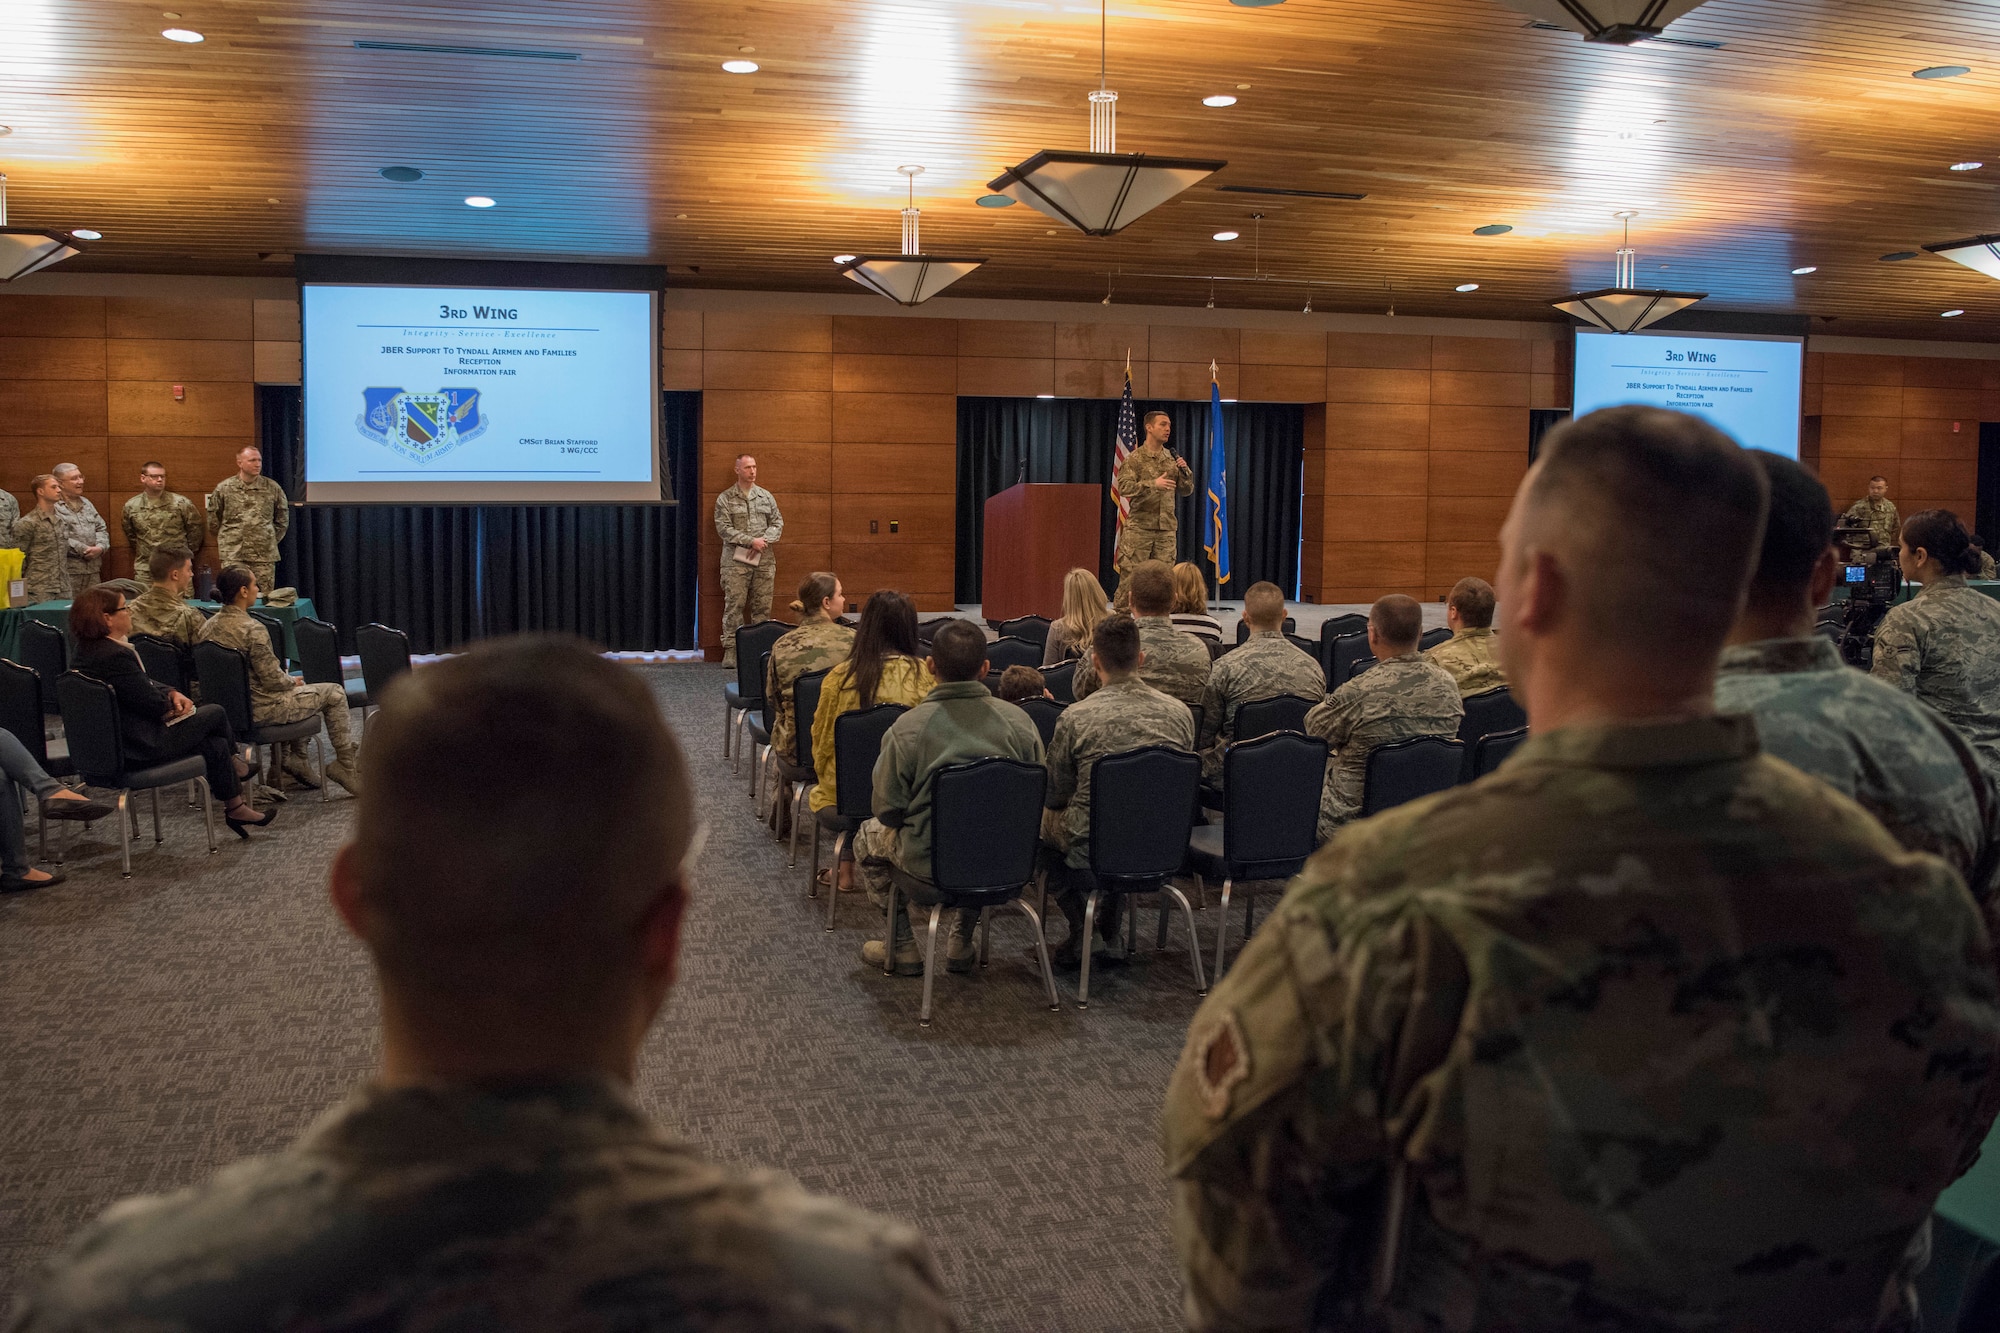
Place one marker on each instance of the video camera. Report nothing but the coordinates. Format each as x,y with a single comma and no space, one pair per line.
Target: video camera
1873,577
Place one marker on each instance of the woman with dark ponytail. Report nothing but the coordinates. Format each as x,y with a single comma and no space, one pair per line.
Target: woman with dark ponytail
1943,645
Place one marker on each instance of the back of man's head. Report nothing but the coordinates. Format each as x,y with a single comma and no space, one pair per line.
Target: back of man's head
1798,530
1264,606
1398,621
959,649
1654,517
1473,600
524,809
1116,643
1152,585
160,566
1022,682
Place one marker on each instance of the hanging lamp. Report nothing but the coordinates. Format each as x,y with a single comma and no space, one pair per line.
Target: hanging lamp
1617,22
1626,308
1103,191
1981,254
25,250
912,277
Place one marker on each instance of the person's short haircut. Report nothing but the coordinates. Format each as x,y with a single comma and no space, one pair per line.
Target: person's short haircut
63,469
1398,620
517,891
150,464
160,566
815,590
39,480
90,614
1941,533
1879,477
959,649
1022,682
1659,515
739,458
1152,586
1798,530
249,449
1116,640
1473,600
231,582
1264,606
1147,420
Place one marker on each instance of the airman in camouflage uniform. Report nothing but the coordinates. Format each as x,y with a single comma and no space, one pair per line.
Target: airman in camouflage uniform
1988,570
1152,481
1176,663
1471,658
820,642
250,516
1263,666
83,530
10,514
276,697
1878,511
44,544
162,611
1943,646
747,520
1398,698
158,517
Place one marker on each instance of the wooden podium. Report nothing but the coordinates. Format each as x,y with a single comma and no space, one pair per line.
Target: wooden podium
1035,534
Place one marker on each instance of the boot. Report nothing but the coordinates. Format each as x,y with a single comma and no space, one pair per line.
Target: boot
299,770
909,962
345,772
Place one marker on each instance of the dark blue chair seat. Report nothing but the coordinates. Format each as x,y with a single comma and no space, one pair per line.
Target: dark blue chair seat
96,733
857,743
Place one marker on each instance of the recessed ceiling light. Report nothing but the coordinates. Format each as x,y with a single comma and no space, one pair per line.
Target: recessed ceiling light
86,234
478,201
843,259
1044,395
1492,229
1801,272
1256,4
1897,256
181,35
1951,314
1242,87
1226,235
1219,99
740,66
1967,166
1466,287
403,175
994,200
1940,71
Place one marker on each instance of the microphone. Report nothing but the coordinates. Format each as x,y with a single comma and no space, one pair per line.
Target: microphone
1022,478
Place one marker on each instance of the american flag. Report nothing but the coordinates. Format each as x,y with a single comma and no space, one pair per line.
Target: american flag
1128,440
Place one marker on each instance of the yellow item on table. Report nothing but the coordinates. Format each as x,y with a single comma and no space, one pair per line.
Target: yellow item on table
11,562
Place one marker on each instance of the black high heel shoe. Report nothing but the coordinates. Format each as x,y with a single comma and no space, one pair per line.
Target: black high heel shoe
241,827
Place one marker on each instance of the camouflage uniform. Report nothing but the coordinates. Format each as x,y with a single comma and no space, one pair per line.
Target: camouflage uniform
1264,666
818,643
1152,526
1988,571
1900,761
1392,701
1657,1032
10,514
1943,645
159,611
43,545
83,527
1125,715
274,697
559,1206
1176,664
1882,520
1472,657
171,520
746,589
250,519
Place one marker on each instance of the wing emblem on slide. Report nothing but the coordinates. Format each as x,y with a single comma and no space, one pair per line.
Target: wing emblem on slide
421,426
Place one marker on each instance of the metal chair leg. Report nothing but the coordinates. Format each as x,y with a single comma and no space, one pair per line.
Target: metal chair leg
158,837
984,928
930,964
889,932
125,840
1194,944
1041,951
1222,924
1089,934
1160,943
812,865
833,878
207,811
728,721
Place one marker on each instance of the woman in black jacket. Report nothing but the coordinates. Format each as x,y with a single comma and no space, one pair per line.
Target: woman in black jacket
159,723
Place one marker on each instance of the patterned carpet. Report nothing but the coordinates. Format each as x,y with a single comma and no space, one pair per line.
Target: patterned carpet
206,1009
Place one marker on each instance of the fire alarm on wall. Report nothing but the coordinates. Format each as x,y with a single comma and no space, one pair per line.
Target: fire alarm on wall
180,393
1954,428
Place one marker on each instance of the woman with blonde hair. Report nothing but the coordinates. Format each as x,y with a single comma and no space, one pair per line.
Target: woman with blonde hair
1084,604
1190,614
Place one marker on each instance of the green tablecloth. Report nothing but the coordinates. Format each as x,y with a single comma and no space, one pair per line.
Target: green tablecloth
57,614
1973,1201
1991,587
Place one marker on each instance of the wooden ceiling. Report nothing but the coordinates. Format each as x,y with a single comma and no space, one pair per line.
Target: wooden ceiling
1789,133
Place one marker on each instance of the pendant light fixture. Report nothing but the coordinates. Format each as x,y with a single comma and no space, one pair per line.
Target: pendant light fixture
1103,191
25,250
1626,308
1978,253
912,277
1618,22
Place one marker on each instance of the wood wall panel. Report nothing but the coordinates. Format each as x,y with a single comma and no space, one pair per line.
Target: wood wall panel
139,407
1389,518
1850,368
1348,384
1503,355
895,337
1270,347
157,317
51,407
1479,388
1492,474
274,321
277,362
1187,381
190,461
895,418
1896,416
1387,564
784,467
1948,403
764,415
1861,400
763,332
857,372
1378,426
30,455
929,517
1006,376
681,330
1483,429
52,317
1098,379
1280,383
177,359
1939,439
901,469
1396,351
1007,337
53,358
1103,342
781,371
1190,342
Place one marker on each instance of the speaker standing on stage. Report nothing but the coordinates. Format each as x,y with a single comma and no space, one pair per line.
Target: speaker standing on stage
748,521
1152,480
250,516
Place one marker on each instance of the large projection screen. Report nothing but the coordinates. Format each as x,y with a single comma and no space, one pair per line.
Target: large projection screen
488,394
1747,386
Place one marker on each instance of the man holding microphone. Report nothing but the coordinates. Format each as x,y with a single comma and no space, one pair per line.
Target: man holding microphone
1152,480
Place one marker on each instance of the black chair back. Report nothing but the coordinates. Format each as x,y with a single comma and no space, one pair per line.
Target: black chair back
1005,652
753,645
1035,629
1360,664
224,674
1291,626
385,655
1431,638
1216,648
1485,713
1493,749
1830,629
1141,808
986,826
1270,803
1043,713
45,651
1306,646
805,707
21,709
162,660
1342,652
1353,622
91,725
1199,714
1261,717
927,628
1061,681
857,744
276,629
1404,770
319,651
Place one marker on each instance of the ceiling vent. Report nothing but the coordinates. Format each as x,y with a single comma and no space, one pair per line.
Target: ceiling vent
433,49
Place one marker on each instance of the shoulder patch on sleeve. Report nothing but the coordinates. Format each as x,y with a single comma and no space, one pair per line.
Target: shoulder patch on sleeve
1221,1061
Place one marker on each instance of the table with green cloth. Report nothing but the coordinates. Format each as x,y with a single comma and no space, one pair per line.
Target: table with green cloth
57,614
1991,587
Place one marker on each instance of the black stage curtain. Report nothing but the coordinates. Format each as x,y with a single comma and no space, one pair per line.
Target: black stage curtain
1541,421
1071,440
1986,513
619,575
